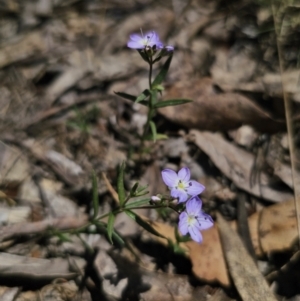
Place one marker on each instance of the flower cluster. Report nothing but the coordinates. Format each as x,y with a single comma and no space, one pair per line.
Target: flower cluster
192,220
148,41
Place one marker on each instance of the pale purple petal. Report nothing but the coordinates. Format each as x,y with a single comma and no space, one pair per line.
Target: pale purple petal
169,48
184,174
135,45
159,45
170,177
183,223
175,192
195,234
136,37
205,221
194,188
193,206
182,195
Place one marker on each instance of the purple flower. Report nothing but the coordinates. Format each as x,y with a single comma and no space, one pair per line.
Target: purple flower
150,39
193,220
180,184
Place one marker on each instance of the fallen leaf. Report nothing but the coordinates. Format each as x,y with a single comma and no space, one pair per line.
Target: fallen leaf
273,229
249,282
36,268
212,111
236,164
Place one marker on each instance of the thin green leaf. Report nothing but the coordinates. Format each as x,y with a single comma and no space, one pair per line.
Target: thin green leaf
141,188
116,237
143,95
143,223
110,226
171,102
137,203
95,195
158,137
64,237
120,184
153,130
142,193
102,228
134,189
163,72
126,96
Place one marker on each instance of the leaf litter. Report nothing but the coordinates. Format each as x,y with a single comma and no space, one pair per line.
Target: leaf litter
60,64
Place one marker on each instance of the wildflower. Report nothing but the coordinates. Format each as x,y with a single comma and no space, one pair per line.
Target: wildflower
180,184
150,39
193,220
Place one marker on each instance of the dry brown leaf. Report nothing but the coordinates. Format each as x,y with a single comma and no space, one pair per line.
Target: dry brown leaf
236,164
249,282
207,258
37,268
213,111
25,47
277,227
272,229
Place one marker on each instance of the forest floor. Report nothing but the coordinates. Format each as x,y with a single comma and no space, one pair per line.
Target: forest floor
61,63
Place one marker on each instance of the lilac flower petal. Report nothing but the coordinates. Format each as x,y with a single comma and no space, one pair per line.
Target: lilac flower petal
205,221
170,177
195,234
182,196
135,45
193,206
183,223
136,37
175,192
169,48
159,45
184,174
195,188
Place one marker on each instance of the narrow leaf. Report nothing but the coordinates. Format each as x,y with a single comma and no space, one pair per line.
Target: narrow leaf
95,195
116,237
126,96
137,203
102,228
134,189
142,223
143,95
110,226
153,131
158,137
163,72
141,188
171,102
120,184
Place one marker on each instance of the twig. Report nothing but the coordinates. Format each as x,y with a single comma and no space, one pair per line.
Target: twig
289,121
25,229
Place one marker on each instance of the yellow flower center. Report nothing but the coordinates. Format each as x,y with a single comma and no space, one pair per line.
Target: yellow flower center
181,185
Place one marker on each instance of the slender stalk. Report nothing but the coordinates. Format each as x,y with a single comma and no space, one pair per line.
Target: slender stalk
289,122
150,111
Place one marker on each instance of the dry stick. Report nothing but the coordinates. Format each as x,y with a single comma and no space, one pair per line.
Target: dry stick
289,123
25,229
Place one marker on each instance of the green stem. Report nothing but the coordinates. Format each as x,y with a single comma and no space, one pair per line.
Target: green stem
150,111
